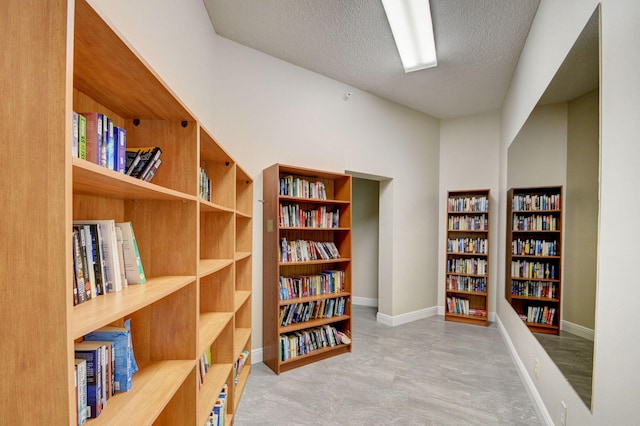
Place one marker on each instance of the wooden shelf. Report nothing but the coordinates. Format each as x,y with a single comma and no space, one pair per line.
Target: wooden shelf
210,266
525,306
467,290
214,380
195,253
106,309
338,193
153,387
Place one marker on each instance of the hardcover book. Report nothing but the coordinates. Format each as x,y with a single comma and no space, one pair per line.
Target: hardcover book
109,246
94,136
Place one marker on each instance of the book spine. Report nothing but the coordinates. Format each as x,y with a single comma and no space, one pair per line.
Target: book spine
74,134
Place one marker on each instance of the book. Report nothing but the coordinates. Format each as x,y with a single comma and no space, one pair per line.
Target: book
109,247
103,146
80,369
98,259
110,148
78,267
120,245
134,271
74,134
132,159
92,353
87,243
94,129
124,359
120,147
148,155
152,171
82,137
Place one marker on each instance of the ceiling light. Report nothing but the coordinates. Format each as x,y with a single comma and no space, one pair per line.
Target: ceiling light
410,22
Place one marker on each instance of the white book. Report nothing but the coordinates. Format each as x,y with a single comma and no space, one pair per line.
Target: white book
132,262
110,249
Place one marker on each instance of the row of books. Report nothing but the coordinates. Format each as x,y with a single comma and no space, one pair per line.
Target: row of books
469,204
291,215
539,314
467,266
97,139
305,251
143,162
239,364
534,247
204,365
536,202
218,415
477,284
104,364
106,258
526,269
205,185
293,186
460,305
534,289
535,223
468,245
311,285
315,309
468,223
304,342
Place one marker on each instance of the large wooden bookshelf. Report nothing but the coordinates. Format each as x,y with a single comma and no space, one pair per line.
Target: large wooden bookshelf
277,270
467,257
534,256
61,56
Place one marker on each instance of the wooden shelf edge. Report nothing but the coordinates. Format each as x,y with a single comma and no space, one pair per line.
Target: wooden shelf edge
209,207
315,262
240,338
536,299
314,356
105,309
470,293
153,387
467,319
311,298
311,324
212,324
239,388
91,179
210,266
241,296
214,380
241,255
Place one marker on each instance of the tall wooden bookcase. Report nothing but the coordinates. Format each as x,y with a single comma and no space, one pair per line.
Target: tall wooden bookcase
284,220
467,256
534,256
59,57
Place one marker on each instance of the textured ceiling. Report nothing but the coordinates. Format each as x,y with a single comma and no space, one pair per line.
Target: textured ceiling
478,44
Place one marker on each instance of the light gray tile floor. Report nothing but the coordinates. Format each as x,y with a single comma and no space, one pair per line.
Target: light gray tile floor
427,372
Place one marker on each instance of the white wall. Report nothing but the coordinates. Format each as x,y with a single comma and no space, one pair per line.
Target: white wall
616,374
469,160
263,111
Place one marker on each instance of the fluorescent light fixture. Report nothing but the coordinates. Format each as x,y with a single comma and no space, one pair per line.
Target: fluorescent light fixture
410,22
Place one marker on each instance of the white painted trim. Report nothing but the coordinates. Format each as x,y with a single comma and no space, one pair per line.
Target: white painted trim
364,301
578,330
538,404
256,356
393,321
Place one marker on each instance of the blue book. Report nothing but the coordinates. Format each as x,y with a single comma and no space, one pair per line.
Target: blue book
75,135
120,148
125,365
92,352
109,150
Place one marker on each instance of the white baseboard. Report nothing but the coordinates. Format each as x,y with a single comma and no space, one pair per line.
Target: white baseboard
578,330
538,404
364,301
395,320
256,356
